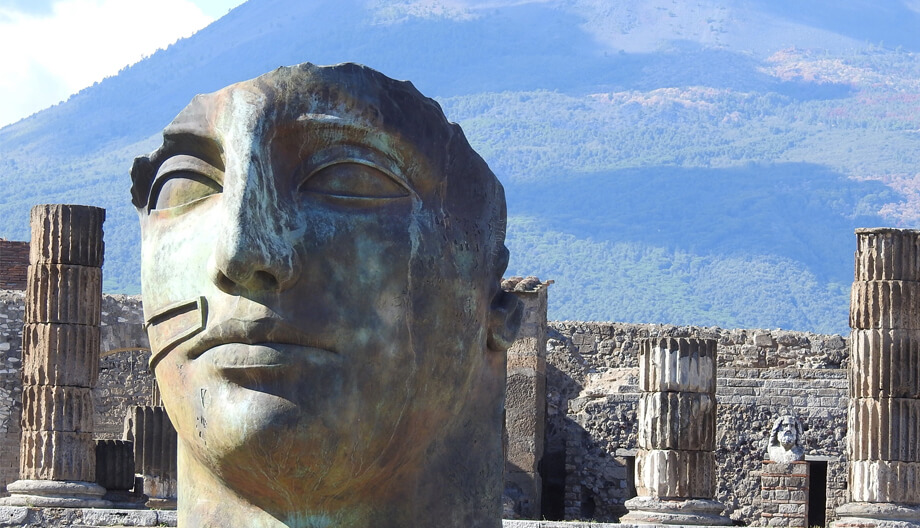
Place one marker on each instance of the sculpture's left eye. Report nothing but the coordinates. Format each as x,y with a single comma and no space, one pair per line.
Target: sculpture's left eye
353,180
183,180
180,188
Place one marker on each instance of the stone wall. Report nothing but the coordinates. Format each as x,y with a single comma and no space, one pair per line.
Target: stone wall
592,394
12,308
124,379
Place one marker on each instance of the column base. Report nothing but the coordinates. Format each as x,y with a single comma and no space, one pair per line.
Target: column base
55,494
125,500
877,515
651,510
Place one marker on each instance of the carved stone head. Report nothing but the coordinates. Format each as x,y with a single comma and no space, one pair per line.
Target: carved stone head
321,260
785,444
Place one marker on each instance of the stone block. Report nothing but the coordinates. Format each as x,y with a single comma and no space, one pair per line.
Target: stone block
521,454
115,464
885,305
526,361
67,234
60,354
885,363
783,469
677,420
764,340
887,254
677,364
57,408
54,455
520,391
885,429
675,474
63,293
883,481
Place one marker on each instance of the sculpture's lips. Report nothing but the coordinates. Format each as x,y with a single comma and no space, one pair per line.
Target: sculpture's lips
266,341
259,355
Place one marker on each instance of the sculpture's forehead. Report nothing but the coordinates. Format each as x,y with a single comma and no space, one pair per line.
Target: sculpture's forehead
285,109
275,101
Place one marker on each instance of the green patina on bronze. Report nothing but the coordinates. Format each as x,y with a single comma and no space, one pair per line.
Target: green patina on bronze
321,261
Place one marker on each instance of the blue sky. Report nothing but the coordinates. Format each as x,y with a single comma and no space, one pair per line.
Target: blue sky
50,49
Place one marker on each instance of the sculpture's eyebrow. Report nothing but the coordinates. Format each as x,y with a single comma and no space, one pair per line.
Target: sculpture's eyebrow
355,130
389,144
193,141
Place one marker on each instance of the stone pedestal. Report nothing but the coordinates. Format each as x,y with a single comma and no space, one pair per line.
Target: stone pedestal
155,454
784,494
675,466
883,436
61,359
525,402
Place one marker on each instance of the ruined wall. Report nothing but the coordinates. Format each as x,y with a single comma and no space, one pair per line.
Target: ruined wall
124,379
592,394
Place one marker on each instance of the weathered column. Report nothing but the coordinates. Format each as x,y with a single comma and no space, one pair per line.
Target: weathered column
675,465
115,473
155,446
883,436
525,402
61,359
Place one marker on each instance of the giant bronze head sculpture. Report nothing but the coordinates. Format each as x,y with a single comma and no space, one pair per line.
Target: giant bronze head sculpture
321,259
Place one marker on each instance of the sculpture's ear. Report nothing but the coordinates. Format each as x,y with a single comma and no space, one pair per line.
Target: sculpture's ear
505,313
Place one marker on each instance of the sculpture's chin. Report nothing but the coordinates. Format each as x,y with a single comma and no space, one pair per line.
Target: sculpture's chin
278,453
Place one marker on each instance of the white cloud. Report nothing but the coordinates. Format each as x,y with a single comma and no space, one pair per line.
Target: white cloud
46,57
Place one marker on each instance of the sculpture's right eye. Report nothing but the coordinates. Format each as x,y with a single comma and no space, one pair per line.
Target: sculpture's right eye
183,180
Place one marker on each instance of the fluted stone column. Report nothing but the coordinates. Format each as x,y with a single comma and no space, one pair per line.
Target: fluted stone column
155,453
883,436
61,359
675,465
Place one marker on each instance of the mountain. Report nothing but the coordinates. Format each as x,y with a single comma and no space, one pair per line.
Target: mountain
676,162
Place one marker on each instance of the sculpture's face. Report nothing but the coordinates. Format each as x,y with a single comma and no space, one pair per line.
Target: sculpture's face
787,433
317,290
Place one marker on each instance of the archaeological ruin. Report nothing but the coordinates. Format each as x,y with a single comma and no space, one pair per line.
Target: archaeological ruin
417,387
574,389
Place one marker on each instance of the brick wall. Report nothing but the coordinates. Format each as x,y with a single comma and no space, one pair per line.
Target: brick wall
14,264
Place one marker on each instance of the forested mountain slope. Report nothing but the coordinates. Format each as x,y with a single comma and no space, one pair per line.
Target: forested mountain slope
677,162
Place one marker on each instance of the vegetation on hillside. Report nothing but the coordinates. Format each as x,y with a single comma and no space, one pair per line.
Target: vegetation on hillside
662,163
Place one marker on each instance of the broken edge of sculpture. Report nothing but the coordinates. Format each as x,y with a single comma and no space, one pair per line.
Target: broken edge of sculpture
61,360
884,409
675,464
322,254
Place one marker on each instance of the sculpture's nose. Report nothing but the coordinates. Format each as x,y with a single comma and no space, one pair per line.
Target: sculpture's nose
254,251
238,264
